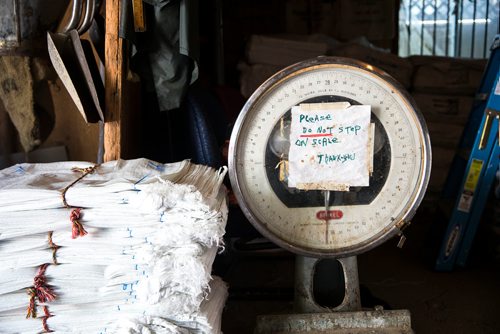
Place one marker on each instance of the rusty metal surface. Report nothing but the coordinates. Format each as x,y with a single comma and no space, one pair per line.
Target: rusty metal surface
23,24
380,322
10,34
69,60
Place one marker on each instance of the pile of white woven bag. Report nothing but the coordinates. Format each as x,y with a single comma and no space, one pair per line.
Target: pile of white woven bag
123,247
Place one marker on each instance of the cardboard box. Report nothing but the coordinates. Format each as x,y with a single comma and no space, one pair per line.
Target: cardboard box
442,75
437,179
399,68
313,16
281,51
444,135
343,19
444,108
373,19
442,157
252,76
441,163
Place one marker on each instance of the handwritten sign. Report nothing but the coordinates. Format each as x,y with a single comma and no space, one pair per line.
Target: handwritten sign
330,146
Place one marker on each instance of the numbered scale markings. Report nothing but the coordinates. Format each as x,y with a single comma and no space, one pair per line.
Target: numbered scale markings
329,223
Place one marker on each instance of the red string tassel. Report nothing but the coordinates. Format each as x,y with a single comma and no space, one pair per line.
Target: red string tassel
40,290
77,229
44,292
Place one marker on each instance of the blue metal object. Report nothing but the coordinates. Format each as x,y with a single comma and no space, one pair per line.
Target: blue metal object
482,197
476,181
457,169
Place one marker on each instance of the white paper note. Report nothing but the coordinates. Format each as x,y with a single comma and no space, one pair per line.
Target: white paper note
329,146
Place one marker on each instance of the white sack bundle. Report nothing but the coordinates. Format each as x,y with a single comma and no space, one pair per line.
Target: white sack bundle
123,247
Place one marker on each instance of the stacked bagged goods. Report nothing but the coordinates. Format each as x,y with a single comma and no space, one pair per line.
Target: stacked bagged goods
444,75
266,55
398,67
126,246
282,51
444,108
253,75
444,89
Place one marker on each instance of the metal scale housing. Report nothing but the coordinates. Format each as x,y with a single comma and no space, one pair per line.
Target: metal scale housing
354,221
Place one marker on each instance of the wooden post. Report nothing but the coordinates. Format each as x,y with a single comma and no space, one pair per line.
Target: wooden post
114,79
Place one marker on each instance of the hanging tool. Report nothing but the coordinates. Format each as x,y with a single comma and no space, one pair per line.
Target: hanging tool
75,64
70,63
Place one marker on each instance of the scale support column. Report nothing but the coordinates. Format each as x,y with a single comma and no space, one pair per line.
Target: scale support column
308,285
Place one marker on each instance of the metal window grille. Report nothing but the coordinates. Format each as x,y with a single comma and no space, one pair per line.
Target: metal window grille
452,28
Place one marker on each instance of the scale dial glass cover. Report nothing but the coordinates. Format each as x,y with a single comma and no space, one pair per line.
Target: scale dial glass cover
329,223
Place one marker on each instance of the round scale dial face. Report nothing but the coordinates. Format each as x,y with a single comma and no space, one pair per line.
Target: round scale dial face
318,222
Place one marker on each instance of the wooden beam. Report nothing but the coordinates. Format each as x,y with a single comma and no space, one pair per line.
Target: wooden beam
114,80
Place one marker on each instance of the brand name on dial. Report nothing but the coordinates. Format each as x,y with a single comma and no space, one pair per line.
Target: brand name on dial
330,214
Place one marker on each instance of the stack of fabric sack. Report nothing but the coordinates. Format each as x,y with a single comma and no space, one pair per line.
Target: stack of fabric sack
122,247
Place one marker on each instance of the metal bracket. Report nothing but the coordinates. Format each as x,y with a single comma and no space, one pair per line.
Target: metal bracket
485,134
401,226
494,113
481,96
496,44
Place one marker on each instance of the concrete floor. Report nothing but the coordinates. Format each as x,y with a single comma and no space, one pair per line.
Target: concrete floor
463,301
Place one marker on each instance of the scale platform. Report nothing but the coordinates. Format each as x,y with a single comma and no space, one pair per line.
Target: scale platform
360,322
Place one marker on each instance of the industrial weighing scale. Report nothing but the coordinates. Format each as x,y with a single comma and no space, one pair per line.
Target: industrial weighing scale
329,223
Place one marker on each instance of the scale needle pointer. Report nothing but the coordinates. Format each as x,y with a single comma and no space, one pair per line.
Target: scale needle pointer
327,210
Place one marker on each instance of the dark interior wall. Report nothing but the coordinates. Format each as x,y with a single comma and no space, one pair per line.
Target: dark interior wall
241,19
342,20
225,27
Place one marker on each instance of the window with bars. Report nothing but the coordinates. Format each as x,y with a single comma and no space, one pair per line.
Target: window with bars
452,28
